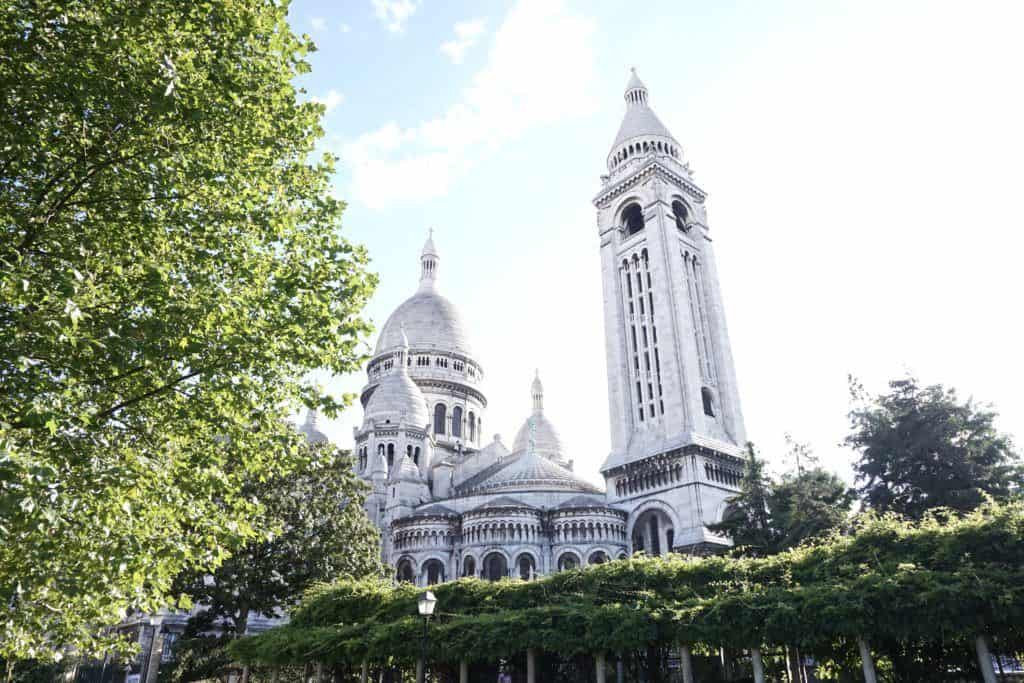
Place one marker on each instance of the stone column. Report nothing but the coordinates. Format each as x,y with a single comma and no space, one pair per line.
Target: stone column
420,670
463,671
319,672
686,663
531,666
275,673
364,672
866,663
620,669
758,665
156,649
988,673
599,667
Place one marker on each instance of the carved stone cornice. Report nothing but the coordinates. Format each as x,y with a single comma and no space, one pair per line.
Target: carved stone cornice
652,169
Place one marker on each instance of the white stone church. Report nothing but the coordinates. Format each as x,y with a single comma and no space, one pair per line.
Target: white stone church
450,503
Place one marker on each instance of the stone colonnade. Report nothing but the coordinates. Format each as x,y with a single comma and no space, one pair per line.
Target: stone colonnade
601,667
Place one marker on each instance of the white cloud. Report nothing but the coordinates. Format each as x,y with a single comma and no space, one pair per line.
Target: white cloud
394,13
518,88
467,34
318,23
344,28
331,100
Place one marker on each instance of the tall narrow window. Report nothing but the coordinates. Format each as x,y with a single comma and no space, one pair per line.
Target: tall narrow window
391,456
457,421
680,214
709,402
472,427
440,415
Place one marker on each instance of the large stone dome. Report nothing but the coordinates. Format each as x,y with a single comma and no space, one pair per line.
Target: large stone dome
430,321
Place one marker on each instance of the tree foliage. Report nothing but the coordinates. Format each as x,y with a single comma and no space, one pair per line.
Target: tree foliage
170,266
767,517
931,585
322,534
922,448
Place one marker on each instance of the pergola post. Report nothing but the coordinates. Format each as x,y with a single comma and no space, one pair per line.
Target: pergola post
531,666
757,664
686,663
464,671
364,672
319,672
420,670
275,673
599,667
866,663
988,672
245,673
620,669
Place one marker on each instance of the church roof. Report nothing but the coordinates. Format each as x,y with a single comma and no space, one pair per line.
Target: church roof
433,510
528,471
583,502
546,440
503,502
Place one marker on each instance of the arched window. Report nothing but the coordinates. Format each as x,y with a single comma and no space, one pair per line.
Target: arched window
680,213
440,413
633,218
472,427
597,557
405,573
416,455
408,452
567,561
495,567
709,401
469,567
434,571
526,566
391,456
457,421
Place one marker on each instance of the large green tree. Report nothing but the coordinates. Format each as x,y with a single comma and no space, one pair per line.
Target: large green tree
768,516
170,267
321,533
922,448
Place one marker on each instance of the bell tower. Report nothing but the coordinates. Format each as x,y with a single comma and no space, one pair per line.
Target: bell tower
676,426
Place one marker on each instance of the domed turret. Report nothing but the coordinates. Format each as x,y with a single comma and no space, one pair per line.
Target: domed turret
311,427
430,320
538,434
397,399
641,132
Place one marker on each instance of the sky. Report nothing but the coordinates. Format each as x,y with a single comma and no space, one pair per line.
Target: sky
863,163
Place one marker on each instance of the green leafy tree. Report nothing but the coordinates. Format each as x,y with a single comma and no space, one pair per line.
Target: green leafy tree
922,448
747,521
807,505
321,534
767,517
170,267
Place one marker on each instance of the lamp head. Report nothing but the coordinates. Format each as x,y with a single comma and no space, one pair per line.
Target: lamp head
426,604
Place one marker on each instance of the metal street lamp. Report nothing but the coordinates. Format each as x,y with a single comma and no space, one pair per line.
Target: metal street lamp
426,605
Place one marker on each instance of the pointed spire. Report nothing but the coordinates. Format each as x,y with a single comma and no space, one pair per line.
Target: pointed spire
429,259
636,91
403,351
537,392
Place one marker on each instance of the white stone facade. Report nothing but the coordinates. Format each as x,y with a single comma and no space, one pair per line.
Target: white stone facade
449,506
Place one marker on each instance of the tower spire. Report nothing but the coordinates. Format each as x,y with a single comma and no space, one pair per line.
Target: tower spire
429,259
537,392
636,91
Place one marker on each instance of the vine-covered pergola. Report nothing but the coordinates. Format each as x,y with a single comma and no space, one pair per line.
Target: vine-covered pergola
945,588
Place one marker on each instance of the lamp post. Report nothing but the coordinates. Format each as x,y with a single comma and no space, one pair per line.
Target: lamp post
426,605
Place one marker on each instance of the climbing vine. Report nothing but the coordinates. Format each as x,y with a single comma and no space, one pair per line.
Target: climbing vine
941,581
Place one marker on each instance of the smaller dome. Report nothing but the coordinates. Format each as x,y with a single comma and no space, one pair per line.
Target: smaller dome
544,436
397,399
311,427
